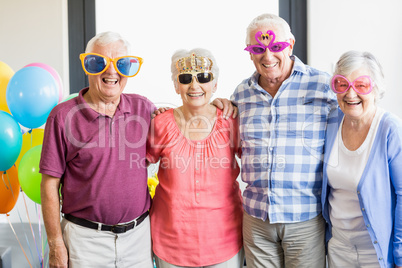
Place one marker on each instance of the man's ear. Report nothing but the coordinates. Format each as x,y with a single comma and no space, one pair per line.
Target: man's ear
292,43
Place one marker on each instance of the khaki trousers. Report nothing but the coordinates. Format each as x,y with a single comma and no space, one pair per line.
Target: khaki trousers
351,249
290,245
92,248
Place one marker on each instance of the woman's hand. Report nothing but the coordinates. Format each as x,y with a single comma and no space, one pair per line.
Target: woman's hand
227,106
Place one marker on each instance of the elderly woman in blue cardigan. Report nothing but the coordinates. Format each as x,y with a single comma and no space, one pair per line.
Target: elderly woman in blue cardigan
362,183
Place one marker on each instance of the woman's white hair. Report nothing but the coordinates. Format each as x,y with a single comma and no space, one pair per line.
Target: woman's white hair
353,60
182,53
269,21
106,38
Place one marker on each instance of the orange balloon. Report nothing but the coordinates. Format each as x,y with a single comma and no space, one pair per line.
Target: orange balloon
9,189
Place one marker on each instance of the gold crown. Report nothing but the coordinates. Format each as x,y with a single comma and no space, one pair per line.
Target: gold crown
194,64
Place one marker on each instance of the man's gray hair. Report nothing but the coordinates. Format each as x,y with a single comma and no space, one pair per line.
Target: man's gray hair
269,20
106,38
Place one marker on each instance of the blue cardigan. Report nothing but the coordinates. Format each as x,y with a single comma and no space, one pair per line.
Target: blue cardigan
379,190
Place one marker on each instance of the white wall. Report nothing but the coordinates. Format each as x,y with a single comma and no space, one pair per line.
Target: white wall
335,27
34,31
156,29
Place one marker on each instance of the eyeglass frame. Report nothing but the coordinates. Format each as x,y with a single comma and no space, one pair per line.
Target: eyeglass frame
108,60
269,46
372,84
194,74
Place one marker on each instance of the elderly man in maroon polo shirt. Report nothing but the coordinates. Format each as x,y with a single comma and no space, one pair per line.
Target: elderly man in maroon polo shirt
94,147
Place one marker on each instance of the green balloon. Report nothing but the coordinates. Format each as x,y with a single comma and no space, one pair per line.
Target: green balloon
28,173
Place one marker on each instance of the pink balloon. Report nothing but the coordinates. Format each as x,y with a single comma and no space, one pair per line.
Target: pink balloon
53,72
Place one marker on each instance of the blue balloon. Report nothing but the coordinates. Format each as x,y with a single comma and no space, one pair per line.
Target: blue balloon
31,94
10,141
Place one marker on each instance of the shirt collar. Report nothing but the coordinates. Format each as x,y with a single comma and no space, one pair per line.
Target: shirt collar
298,66
91,115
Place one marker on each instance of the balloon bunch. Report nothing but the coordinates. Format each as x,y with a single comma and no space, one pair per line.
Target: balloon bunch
26,99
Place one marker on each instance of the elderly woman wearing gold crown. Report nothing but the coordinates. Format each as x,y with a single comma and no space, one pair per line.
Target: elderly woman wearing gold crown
196,215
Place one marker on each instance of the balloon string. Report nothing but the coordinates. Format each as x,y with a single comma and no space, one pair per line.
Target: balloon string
31,137
23,230
18,241
43,251
38,211
14,197
11,188
47,258
46,253
30,225
2,178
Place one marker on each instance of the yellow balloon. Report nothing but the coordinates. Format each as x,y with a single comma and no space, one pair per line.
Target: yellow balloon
152,183
5,75
30,140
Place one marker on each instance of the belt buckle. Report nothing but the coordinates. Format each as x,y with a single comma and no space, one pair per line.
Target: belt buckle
118,229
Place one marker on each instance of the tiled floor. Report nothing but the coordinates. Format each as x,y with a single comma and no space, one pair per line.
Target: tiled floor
24,233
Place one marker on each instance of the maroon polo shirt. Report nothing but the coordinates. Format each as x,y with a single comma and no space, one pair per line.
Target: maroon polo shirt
100,160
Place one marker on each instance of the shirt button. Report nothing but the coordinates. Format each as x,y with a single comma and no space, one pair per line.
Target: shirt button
198,194
363,209
375,242
197,181
271,149
380,259
358,192
368,225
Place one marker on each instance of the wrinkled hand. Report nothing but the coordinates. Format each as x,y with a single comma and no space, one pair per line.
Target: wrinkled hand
227,106
160,110
58,256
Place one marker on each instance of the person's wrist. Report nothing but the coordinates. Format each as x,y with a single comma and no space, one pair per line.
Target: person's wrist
56,242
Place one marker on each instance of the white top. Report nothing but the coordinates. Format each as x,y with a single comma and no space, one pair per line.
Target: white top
344,171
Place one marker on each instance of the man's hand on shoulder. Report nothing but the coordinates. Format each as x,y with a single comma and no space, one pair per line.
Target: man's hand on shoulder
160,110
227,106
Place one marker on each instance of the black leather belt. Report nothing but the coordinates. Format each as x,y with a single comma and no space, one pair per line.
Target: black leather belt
117,229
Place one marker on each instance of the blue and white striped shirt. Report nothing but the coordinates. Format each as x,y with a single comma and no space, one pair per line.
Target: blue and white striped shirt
283,144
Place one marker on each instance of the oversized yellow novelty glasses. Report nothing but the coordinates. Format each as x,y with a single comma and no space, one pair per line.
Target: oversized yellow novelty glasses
94,64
